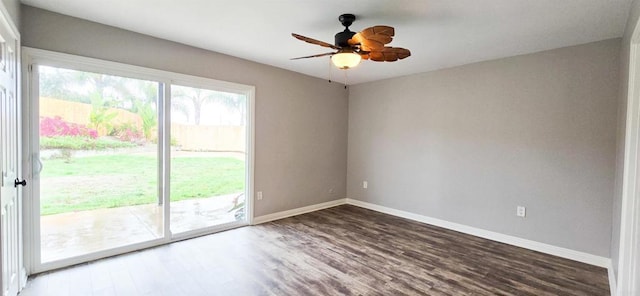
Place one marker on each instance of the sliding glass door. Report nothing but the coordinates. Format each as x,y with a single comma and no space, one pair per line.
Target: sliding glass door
124,160
208,158
99,162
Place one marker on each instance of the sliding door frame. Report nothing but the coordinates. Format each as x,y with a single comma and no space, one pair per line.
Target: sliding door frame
209,84
31,58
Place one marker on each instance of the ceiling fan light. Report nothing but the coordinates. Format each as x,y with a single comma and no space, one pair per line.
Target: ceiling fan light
346,60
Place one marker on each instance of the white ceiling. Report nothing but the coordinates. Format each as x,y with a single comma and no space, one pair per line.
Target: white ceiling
439,33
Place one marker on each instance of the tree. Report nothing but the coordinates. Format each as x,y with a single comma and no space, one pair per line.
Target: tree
60,84
234,102
196,96
144,103
100,117
184,97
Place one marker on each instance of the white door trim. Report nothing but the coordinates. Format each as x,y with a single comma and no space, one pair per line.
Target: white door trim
629,257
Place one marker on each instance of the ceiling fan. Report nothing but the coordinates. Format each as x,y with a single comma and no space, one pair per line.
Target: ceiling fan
352,47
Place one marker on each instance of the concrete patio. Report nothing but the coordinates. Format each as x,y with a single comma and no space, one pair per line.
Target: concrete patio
77,233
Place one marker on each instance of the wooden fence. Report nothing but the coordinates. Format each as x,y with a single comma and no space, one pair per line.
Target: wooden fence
76,112
184,136
209,138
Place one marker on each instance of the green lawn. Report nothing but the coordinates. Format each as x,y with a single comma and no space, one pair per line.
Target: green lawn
108,181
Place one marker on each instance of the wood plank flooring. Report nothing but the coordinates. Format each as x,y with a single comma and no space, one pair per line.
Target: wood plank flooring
343,250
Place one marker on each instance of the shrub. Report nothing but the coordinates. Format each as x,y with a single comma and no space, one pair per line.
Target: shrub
127,132
100,116
57,127
81,143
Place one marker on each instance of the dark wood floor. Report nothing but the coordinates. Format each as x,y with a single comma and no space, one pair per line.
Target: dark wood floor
344,250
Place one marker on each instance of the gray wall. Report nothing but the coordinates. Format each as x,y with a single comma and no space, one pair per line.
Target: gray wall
469,144
301,122
634,15
465,144
13,8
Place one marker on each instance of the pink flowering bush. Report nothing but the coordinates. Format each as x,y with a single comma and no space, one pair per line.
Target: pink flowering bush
130,135
57,127
127,132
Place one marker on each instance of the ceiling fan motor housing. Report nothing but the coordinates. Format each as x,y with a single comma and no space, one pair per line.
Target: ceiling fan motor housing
342,38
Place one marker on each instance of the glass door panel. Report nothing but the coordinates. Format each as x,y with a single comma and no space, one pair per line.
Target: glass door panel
98,138
208,158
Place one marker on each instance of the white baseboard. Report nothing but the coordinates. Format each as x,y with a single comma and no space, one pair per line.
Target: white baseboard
298,211
23,278
612,279
494,236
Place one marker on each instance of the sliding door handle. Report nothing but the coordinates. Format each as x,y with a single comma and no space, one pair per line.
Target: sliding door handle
17,182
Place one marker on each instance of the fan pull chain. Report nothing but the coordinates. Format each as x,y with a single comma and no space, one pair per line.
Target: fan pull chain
329,69
345,78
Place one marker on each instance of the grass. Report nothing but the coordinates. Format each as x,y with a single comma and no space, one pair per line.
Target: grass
108,181
82,143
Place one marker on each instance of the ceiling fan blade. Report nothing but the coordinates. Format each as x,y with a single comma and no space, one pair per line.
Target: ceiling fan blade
365,44
376,56
389,54
355,39
373,38
383,34
314,41
379,30
315,56
402,53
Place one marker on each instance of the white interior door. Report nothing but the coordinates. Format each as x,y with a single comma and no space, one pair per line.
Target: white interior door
9,145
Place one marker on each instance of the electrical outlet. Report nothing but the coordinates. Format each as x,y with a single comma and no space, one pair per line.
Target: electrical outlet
521,211
365,184
259,195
